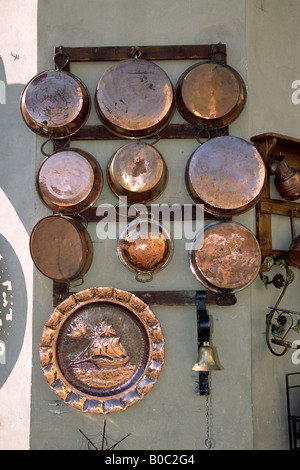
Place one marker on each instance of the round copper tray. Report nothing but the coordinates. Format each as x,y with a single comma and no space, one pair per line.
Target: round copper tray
210,94
135,98
61,248
55,104
102,350
145,247
138,171
69,181
226,174
225,256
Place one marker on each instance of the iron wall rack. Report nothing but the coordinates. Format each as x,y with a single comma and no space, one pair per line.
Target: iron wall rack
205,52
293,412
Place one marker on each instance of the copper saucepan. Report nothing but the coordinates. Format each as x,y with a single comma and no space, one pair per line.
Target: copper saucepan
227,175
61,248
135,98
55,103
210,94
145,247
138,171
225,256
69,181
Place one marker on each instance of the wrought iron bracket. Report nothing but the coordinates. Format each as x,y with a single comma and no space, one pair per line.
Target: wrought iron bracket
203,329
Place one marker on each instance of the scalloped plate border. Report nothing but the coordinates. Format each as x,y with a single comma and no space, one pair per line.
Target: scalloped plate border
65,390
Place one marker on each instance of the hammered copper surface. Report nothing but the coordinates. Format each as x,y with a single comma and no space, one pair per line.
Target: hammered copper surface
210,94
102,350
287,179
227,175
69,181
225,256
55,104
138,171
61,248
135,98
145,246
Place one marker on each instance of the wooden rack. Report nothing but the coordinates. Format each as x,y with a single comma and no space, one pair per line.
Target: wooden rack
269,145
206,52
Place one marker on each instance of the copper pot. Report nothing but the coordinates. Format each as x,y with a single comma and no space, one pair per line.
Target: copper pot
225,256
69,181
145,247
227,175
137,171
134,98
61,248
55,103
210,94
287,179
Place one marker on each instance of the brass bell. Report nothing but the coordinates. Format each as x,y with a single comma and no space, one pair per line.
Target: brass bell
206,361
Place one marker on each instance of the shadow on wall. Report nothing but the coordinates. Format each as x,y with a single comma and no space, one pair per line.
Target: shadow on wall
13,293
16,150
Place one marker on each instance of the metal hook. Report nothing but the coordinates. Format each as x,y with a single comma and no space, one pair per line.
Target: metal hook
56,55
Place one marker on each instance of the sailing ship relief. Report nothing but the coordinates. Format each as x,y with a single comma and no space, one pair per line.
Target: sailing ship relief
104,362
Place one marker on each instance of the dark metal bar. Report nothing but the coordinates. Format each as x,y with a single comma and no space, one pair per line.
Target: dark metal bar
172,52
172,131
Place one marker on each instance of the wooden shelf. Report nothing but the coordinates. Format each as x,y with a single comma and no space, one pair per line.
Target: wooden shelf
269,146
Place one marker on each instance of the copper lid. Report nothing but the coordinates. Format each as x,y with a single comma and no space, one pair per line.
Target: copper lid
227,175
69,181
138,171
145,247
210,94
55,104
225,256
61,248
102,350
134,98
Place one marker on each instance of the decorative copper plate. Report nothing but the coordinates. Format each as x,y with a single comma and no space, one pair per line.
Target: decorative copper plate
61,248
69,181
227,175
210,95
55,104
145,247
226,255
138,171
135,98
102,350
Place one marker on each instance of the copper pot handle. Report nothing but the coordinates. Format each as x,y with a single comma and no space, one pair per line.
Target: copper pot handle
139,276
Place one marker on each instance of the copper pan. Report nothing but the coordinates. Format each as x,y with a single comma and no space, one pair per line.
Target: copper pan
61,248
145,247
55,103
135,98
137,171
69,181
210,94
227,175
225,256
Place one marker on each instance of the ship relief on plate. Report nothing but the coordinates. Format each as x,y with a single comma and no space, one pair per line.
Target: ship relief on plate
102,350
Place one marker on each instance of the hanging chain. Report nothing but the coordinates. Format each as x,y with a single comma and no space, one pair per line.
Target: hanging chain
208,441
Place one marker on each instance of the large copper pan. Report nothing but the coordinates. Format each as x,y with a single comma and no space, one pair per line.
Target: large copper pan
210,94
145,247
61,248
55,104
69,181
134,98
225,256
227,175
137,171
